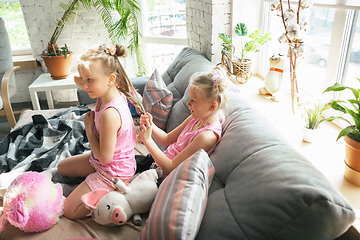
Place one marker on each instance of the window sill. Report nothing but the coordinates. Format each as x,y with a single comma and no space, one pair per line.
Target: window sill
25,62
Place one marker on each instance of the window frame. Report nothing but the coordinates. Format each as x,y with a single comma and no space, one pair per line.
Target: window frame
337,62
337,48
19,52
157,39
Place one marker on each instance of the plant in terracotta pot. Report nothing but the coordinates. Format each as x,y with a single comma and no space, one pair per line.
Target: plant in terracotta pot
312,114
350,112
121,27
242,66
58,60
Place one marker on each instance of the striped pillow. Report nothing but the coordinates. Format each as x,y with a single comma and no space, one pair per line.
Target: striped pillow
157,99
180,203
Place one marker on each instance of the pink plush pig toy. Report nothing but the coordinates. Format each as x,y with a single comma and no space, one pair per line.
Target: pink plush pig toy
32,202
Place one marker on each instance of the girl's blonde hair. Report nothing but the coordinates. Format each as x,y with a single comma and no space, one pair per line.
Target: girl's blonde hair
212,85
108,56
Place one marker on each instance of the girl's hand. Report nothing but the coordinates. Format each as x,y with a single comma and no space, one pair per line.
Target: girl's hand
89,121
144,118
146,125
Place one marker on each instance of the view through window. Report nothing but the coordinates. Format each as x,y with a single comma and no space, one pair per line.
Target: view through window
353,57
163,30
15,25
316,66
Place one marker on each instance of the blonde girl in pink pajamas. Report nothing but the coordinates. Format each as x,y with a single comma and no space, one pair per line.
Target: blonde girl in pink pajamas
109,129
201,130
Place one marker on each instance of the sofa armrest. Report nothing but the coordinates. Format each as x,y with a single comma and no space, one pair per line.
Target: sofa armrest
138,83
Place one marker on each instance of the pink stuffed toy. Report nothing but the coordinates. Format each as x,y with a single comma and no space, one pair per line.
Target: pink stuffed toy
32,202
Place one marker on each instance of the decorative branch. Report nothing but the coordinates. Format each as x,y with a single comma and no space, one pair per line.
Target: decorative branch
293,35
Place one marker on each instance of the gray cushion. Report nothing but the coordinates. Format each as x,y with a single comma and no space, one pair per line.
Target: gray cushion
6,58
263,189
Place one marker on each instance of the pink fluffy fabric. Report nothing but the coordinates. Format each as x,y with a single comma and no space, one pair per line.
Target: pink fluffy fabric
32,202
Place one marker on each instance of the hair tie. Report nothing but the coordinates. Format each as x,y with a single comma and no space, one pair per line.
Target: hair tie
216,79
217,75
110,50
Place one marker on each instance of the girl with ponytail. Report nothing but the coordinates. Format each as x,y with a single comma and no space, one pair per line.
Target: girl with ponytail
109,129
201,130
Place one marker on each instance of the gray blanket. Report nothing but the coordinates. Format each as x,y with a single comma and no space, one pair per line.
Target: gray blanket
40,145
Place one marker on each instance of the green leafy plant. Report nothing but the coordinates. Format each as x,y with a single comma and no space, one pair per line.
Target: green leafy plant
312,113
124,28
254,45
350,111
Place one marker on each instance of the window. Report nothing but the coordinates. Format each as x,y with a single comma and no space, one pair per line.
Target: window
352,67
163,30
333,47
12,14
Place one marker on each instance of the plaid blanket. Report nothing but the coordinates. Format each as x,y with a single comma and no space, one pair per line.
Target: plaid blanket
40,145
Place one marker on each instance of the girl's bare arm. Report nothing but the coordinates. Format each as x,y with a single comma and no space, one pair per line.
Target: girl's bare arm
205,140
104,147
163,138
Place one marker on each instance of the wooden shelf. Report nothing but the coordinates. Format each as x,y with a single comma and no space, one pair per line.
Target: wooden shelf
25,62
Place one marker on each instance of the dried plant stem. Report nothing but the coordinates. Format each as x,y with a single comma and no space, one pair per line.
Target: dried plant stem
293,58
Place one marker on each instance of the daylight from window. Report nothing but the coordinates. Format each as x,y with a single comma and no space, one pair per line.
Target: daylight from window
164,18
353,58
312,69
15,25
163,24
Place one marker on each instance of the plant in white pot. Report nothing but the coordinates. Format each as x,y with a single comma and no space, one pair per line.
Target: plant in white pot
349,112
312,114
241,66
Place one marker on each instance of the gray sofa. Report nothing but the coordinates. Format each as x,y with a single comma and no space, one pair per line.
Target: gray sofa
262,188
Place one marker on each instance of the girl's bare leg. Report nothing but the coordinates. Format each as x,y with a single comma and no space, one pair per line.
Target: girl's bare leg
76,166
74,208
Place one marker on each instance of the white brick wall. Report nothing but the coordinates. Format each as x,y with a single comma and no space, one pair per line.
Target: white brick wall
40,18
205,19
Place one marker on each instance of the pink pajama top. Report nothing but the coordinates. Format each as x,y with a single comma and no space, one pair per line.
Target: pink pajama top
187,135
123,163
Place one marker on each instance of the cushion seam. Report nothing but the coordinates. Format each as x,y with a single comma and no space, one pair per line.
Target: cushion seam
300,213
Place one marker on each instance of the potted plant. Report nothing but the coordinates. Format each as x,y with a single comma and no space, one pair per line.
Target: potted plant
241,66
119,28
350,112
312,114
58,60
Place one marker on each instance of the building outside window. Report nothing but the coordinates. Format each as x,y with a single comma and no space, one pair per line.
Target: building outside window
333,47
164,31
